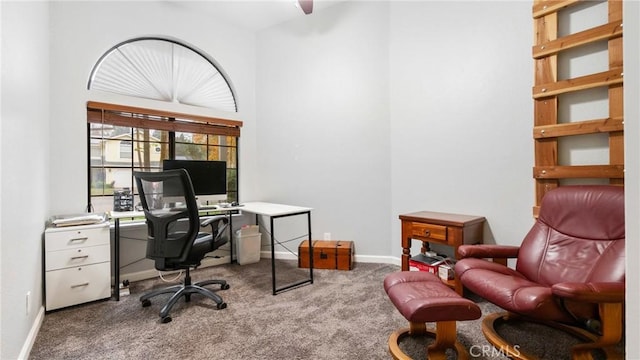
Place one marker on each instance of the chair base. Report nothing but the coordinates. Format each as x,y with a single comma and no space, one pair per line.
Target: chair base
579,351
185,290
445,336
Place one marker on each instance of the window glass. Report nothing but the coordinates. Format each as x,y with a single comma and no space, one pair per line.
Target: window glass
96,152
125,150
116,151
191,152
112,153
97,185
118,179
232,184
150,148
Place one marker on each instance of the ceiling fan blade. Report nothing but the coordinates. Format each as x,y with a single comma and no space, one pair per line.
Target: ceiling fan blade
306,5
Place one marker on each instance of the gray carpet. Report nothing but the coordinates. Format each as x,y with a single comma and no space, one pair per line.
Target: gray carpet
343,315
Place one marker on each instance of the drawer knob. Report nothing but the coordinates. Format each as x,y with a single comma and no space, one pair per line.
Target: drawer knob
79,257
83,239
79,285
427,233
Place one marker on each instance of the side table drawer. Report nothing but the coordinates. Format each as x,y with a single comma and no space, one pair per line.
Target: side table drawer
429,231
77,285
77,257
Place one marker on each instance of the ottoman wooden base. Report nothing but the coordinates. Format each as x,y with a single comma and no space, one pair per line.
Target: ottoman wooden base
445,336
421,297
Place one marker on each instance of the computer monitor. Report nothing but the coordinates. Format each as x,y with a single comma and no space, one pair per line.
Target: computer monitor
209,178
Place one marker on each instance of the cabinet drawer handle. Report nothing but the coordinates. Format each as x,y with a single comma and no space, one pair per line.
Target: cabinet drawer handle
79,239
79,285
79,257
427,233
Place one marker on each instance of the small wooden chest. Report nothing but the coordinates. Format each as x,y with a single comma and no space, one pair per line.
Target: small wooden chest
327,254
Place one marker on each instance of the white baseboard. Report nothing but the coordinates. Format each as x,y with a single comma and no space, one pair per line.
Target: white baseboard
377,259
31,337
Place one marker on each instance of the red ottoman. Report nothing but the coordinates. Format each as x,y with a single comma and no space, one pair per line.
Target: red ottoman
421,297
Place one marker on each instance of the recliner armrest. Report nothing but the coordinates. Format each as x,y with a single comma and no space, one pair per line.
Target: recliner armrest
598,292
488,251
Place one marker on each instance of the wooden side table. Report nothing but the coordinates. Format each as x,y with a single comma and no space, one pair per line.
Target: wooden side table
440,228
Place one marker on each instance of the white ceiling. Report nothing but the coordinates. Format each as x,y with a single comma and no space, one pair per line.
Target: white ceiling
253,14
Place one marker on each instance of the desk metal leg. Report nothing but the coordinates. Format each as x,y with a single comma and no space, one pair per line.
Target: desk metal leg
310,248
230,236
116,259
273,258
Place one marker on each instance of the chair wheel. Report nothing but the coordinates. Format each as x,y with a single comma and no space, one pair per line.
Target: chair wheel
222,306
165,319
225,287
146,303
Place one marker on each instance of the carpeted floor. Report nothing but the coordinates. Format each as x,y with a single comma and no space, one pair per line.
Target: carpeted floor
343,315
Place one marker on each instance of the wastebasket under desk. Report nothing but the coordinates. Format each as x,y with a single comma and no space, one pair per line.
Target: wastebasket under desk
248,241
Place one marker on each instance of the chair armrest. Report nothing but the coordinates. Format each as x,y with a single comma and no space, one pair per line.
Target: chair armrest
488,251
598,292
214,221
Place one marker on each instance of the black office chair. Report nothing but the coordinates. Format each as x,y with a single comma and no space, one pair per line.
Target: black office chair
174,240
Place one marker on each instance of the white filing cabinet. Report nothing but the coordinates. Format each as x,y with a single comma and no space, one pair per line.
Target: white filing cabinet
77,264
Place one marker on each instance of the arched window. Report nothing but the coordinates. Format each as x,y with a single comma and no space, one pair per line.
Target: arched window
163,69
122,139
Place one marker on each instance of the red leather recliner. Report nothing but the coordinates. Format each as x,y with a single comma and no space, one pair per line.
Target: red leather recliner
569,272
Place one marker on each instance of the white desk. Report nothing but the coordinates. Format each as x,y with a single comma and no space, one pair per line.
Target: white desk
273,211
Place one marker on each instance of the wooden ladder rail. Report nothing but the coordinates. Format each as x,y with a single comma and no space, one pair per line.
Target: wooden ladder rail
548,128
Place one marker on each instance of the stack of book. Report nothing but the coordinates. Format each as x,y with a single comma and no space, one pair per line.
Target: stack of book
422,262
439,265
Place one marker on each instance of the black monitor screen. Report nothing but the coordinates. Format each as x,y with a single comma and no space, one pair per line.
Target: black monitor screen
207,177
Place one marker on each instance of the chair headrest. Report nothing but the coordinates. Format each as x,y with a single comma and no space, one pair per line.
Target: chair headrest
585,211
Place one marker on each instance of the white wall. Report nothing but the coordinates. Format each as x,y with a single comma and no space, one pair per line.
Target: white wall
461,113
631,13
323,121
24,144
370,109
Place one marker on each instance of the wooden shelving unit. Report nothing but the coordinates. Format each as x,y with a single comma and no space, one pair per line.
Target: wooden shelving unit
548,128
